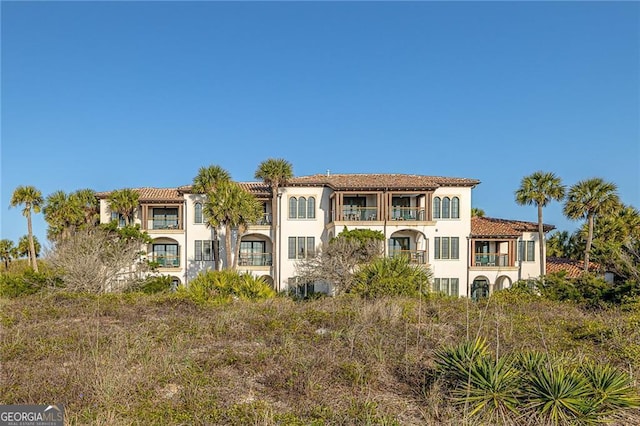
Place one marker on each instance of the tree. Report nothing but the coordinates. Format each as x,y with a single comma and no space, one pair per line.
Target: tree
275,172
338,261
7,251
232,207
24,247
32,200
539,189
90,206
101,259
391,277
589,199
476,212
250,210
124,202
206,182
67,213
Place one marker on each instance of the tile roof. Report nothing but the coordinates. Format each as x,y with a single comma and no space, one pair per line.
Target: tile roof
151,194
492,227
573,268
380,181
259,189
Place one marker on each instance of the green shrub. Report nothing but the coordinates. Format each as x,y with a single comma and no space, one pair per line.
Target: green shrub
27,282
153,284
226,285
391,277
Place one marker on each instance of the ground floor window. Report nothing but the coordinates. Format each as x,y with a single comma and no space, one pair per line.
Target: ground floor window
203,250
448,286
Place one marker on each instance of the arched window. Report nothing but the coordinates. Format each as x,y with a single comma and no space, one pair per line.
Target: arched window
455,208
436,208
293,208
445,208
302,208
311,208
197,211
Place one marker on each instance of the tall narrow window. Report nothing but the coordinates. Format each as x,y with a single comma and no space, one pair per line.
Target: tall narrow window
197,211
311,208
302,208
436,208
198,250
436,248
455,250
293,208
445,208
455,208
531,251
292,247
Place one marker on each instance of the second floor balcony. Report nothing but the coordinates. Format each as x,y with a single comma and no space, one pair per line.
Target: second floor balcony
255,259
165,260
415,256
491,259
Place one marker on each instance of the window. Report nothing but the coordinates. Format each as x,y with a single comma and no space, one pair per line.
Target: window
448,286
455,208
527,251
446,203
165,218
302,208
446,208
166,255
203,250
446,248
118,217
253,253
436,208
197,211
301,247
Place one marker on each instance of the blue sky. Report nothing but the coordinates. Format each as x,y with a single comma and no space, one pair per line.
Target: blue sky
107,95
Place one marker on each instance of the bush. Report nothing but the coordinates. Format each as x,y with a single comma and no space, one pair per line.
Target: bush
226,285
153,284
391,277
27,282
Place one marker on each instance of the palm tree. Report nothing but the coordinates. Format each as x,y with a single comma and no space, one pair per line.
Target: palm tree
476,212
206,182
88,202
24,245
250,210
275,172
7,251
61,212
125,203
558,244
32,200
588,199
539,189
232,207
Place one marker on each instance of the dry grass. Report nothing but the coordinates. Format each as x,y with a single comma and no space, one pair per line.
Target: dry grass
134,359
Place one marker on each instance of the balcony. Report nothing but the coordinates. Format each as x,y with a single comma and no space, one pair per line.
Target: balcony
408,213
163,223
418,257
254,259
357,214
265,220
491,259
166,260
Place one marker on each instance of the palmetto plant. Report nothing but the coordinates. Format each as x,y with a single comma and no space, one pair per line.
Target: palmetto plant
394,276
124,202
610,389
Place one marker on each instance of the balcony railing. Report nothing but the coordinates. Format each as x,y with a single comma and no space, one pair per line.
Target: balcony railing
163,223
415,256
355,214
255,259
166,260
491,259
407,213
264,220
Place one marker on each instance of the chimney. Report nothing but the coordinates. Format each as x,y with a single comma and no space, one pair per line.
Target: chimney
328,172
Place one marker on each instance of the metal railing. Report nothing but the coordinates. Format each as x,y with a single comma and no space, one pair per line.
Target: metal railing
166,260
407,213
355,214
264,220
255,259
157,223
415,256
491,259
